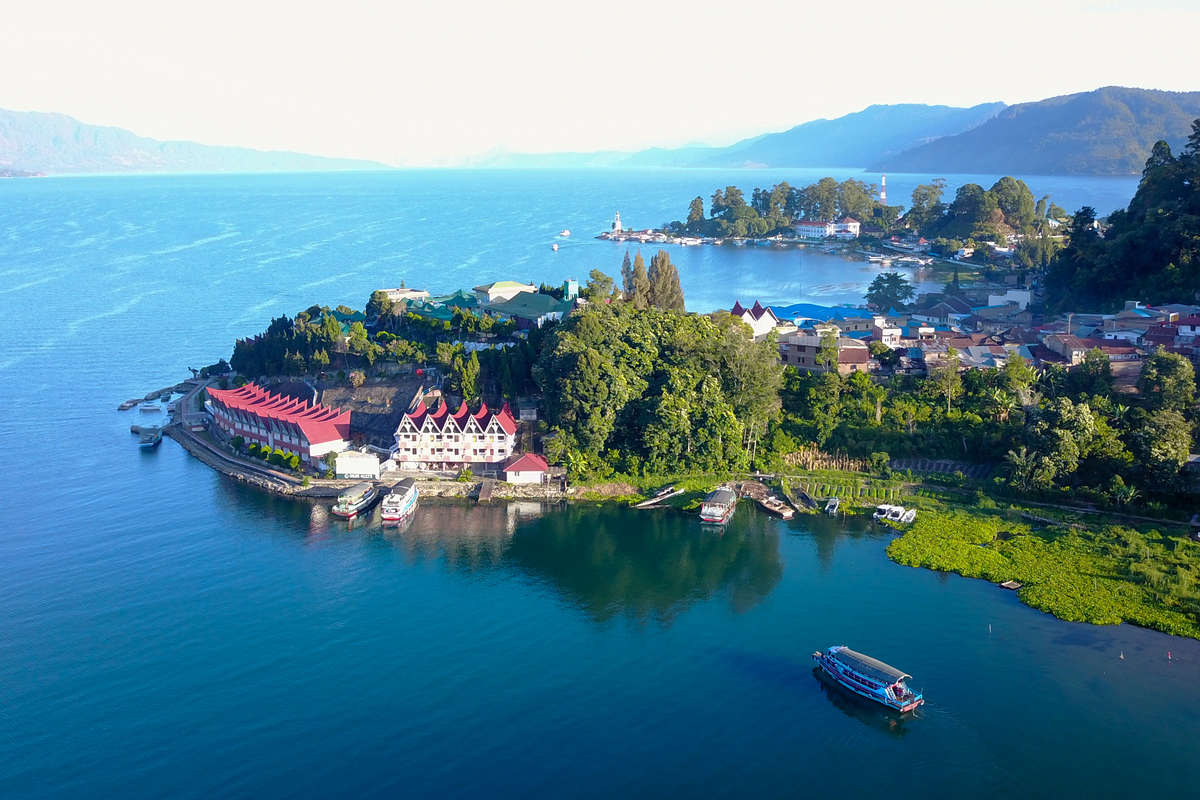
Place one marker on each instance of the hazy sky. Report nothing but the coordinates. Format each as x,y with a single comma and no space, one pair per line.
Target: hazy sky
405,82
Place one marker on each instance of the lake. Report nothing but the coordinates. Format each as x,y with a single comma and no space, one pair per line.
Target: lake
165,631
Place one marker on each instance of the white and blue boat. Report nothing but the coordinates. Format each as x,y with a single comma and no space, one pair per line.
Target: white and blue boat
400,501
870,678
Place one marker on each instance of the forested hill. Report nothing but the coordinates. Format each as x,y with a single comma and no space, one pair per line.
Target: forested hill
55,143
1108,131
854,140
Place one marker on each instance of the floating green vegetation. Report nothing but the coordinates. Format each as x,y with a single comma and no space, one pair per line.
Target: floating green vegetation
1104,576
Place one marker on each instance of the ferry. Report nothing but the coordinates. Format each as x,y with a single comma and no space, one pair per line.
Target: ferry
400,502
357,498
869,678
718,506
151,438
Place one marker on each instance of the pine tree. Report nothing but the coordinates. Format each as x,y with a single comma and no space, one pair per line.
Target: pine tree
627,277
641,296
665,291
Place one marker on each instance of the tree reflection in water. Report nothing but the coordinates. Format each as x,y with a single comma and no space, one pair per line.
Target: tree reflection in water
614,561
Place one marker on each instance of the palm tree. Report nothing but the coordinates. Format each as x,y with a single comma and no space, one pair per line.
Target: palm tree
1003,402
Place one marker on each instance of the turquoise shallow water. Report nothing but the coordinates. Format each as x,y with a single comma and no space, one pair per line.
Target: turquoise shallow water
167,632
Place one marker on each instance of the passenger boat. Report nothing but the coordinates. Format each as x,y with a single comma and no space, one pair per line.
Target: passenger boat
151,438
400,501
832,506
869,678
357,498
718,506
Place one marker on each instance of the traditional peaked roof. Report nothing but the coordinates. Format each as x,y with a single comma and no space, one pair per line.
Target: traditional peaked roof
317,423
526,462
755,313
442,419
848,221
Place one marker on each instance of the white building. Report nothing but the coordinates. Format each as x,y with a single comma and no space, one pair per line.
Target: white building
440,440
351,464
846,228
396,295
813,229
1021,297
760,318
527,468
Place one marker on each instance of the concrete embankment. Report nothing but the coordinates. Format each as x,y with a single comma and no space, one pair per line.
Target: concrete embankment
279,483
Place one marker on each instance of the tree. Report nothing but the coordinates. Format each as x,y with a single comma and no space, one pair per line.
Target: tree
889,290
827,350
467,377
642,297
1167,381
945,375
379,304
1160,445
1094,376
696,211
599,286
357,378
665,291
627,277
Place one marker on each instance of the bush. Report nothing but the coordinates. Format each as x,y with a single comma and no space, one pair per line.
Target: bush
341,376
293,461
465,475
238,441
277,457
264,453
357,378
252,449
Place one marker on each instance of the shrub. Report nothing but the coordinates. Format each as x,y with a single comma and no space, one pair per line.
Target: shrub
465,475
252,449
341,376
357,378
293,461
277,457
238,441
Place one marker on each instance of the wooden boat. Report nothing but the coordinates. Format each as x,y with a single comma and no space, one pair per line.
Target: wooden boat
358,497
777,507
869,678
400,501
832,506
718,506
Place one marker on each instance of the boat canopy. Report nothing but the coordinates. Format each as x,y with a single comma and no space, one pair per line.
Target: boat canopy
355,491
404,485
722,496
871,667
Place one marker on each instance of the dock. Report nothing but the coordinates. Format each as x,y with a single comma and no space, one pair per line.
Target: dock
658,498
485,491
1011,585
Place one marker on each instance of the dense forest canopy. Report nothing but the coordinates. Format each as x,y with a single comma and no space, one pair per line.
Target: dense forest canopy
1150,250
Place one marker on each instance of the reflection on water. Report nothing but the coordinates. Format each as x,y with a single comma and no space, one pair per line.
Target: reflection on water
828,532
647,565
873,715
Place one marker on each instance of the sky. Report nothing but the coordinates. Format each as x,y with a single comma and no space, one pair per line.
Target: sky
421,83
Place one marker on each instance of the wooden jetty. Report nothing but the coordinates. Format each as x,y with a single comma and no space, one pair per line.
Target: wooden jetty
1012,585
662,494
485,491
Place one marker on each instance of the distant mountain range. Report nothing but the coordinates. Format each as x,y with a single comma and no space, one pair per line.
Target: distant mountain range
55,143
1107,131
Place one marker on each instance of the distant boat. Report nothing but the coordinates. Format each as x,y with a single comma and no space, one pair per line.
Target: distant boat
885,513
718,506
564,233
358,497
909,516
400,501
869,678
832,506
151,437
554,247
150,406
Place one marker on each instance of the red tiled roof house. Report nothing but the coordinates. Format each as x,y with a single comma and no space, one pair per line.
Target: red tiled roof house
279,422
440,440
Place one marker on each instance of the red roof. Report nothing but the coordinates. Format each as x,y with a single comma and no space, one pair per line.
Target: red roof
443,419
847,221
526,462
317,423
1190,321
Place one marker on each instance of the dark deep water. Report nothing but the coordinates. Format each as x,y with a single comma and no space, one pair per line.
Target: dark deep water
167,632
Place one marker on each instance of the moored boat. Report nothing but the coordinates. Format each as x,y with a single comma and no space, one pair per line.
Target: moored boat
358,497
150,405
832,506
869,678
718,506
909,516
150,439
400,501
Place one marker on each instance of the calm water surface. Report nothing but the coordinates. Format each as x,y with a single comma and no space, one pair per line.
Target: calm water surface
167,632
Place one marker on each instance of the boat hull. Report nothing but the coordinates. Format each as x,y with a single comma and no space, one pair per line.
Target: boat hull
392,514
834,671
349,512
717,518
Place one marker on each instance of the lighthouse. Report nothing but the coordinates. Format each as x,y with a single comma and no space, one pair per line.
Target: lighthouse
883,192
616,226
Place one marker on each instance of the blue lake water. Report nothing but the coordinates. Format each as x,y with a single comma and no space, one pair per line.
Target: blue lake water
167,632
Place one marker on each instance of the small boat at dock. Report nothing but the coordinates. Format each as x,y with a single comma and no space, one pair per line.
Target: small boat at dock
358,497
400,501
150,406
832,506
777,507
150,438
909,516
887,513
869,678
718,506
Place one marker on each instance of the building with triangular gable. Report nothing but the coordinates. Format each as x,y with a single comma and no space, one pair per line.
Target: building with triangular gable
279,422
440,440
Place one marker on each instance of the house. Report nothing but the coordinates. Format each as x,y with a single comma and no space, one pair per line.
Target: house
813,229
438,439
496,292
1189,326
761,320
531,309
526,468
846,228
1021,297
279,422
800,350
1070,348
352,465
398,295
